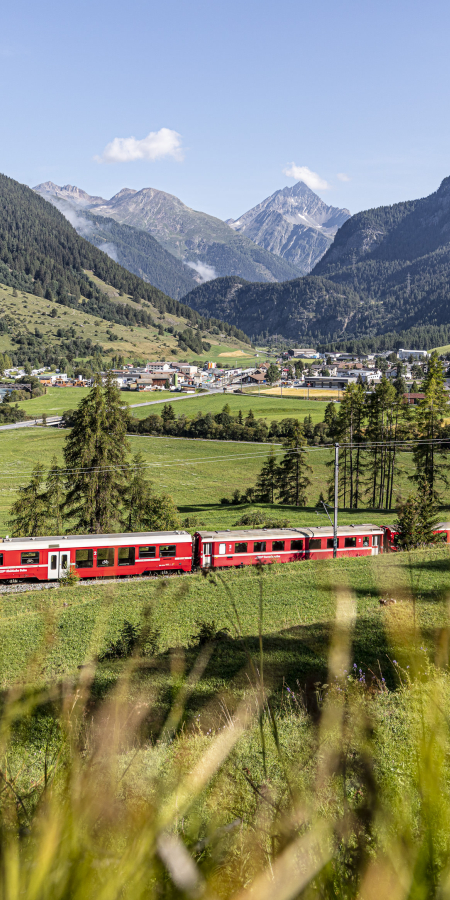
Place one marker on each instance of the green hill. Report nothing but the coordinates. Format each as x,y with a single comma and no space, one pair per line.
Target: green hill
42,255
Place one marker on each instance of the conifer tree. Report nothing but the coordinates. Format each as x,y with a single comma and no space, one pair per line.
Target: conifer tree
95,460
137,495
266,483
292,478
430,414
161,514
54,497
28,514
417,518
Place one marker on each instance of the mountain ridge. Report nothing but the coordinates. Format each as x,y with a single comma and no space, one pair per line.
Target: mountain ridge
194,237
294,223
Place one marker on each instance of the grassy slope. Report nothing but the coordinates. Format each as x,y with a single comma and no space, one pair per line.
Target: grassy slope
299,603
133,343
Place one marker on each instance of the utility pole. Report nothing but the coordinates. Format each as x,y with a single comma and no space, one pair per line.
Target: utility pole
336,499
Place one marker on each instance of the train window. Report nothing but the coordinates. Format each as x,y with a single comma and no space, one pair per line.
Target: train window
315,543
105,556
350,542
29,558
147,552
84,559
330,543
366,540
126,556
277,545
1,559
240,548
296,545
65,561
259,547
168,550
222,549
53,561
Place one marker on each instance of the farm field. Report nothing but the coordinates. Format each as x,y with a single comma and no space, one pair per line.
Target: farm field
302,393
298,611
58,400
196,473
269,408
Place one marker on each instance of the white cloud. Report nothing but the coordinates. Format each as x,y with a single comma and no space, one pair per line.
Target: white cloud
207,273
343,177
82,226
156,145
302,173
109,249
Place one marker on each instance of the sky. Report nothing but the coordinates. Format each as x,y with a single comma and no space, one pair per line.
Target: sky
223,103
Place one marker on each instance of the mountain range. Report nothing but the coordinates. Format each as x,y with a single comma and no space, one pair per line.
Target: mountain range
293,223
199,242
385,279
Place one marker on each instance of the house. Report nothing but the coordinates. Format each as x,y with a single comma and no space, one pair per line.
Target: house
336,382
413,399
255,378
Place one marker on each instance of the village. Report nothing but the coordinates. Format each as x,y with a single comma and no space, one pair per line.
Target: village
300,369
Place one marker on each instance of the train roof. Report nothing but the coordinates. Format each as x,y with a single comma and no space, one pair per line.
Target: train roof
320,531
98,540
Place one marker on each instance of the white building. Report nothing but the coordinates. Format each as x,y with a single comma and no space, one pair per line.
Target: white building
415,354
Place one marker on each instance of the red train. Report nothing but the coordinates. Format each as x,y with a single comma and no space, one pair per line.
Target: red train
147,553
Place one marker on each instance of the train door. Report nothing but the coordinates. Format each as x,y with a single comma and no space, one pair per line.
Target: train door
376,541
58,564
207,553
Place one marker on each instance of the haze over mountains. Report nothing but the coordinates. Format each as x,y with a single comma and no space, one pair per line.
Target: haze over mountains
204,243
294,223
385,278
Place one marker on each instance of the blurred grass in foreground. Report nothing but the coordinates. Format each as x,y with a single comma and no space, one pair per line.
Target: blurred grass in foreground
338,791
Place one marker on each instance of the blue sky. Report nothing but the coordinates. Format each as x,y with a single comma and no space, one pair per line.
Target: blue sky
242,89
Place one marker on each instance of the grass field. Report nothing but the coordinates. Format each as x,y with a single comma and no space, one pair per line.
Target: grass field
299,607
196,473
303,393
269,408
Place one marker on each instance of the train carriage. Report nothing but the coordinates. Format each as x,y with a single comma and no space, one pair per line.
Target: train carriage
391,536
222,549
352,540
249,547
95,555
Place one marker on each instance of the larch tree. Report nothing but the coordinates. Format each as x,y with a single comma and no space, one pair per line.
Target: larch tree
137,495
95,457
429,454
28,514
292,478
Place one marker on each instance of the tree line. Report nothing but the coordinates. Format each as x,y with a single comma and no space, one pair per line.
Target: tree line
99,489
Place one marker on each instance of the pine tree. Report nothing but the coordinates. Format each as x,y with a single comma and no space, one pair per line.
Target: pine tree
137,495
29,512
95,460
430,414
292,478
167,414
55,497
266,483
161,514
417,518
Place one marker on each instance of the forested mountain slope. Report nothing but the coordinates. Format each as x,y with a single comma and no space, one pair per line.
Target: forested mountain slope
384,281
190,235
40,252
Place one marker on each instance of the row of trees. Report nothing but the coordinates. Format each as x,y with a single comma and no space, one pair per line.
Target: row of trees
375,428
99,490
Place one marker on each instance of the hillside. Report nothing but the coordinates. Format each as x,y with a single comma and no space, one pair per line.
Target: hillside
312,309
383,283
42,256
202,241
293,223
